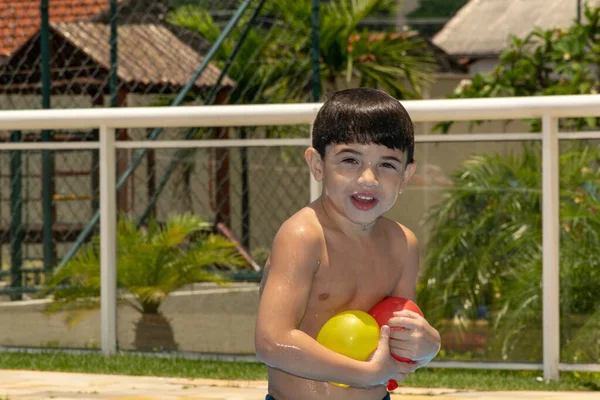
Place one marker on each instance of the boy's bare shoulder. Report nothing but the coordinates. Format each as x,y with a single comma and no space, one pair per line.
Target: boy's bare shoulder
303,228
398,233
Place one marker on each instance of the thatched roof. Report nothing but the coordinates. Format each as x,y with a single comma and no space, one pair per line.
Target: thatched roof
483,27
151,59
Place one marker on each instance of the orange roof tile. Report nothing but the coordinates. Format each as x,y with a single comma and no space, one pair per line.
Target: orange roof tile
19,19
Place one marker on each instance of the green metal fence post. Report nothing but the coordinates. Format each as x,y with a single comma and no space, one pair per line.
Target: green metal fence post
47,156
113,80
316,54
16,222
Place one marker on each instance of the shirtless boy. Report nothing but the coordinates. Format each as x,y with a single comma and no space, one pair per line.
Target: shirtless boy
339,253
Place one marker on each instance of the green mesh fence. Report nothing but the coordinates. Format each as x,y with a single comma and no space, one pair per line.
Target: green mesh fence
252,51
160,45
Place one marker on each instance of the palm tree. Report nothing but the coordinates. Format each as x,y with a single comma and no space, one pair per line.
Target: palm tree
401,64
152,262
486,250
273,64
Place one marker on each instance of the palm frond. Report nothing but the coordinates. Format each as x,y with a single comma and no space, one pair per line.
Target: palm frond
152,262
486,245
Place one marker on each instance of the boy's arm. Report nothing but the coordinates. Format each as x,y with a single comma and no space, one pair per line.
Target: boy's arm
419,341
407,285
295,258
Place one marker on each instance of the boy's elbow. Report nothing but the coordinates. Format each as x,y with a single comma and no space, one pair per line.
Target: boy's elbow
270,347
264,346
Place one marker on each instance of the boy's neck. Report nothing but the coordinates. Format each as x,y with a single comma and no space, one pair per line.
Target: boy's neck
346,226
368,227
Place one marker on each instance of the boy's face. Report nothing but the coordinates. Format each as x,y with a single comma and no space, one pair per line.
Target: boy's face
361,181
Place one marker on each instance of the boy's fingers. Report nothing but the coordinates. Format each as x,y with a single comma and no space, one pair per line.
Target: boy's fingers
406,313
398,334
384,333
405,367
384,338
404,321
403,332
409,355
401,348
399,344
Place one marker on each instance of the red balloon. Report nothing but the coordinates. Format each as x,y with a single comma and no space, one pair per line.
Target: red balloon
384,310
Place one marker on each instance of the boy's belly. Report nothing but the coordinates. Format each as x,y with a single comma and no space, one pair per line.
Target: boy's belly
284,386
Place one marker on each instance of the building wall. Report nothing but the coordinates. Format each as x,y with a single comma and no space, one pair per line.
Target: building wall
206,320
483,66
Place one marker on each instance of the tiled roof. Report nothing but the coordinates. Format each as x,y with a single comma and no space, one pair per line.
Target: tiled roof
483,27
19,19
151,59
148,54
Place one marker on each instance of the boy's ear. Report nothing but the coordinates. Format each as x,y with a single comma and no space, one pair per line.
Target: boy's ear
408,173
315,163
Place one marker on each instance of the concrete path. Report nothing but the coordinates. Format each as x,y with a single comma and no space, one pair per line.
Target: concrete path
30,385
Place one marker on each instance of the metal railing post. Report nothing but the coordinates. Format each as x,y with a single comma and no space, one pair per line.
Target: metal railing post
49,211
16,218
314,186
550,226
108,243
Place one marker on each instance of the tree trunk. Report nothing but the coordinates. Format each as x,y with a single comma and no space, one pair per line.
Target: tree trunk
153,332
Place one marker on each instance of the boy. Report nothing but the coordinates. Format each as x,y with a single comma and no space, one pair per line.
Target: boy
339,253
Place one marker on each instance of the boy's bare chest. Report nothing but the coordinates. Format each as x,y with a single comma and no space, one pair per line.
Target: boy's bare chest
350,278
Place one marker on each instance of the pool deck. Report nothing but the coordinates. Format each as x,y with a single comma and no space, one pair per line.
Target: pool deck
29,385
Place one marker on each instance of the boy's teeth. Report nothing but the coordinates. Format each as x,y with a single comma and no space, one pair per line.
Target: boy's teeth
365,197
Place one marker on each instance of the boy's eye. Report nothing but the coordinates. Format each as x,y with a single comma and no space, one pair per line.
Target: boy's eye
388,165
349,161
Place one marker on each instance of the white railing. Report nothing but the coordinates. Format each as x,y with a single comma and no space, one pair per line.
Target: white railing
549,109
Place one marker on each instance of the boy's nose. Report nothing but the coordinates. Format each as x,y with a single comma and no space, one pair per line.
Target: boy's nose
367,178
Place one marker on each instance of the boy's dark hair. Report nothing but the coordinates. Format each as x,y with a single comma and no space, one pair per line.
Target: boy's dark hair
363,116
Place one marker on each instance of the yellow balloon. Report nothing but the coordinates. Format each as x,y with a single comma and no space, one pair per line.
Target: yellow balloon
353,333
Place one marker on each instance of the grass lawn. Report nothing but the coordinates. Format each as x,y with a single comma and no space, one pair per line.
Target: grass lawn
128,364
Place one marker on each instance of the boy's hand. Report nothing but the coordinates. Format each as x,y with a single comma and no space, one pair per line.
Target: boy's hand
384,365
412,337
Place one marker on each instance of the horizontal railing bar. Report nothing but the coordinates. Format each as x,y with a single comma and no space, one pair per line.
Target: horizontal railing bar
501,108
578,135
50,146
511,366
579,367
232,143
477,137
485,365
148,117
168,144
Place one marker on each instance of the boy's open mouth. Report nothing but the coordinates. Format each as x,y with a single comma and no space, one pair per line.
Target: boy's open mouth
363,202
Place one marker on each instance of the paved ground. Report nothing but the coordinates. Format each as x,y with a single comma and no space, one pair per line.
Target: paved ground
29,385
